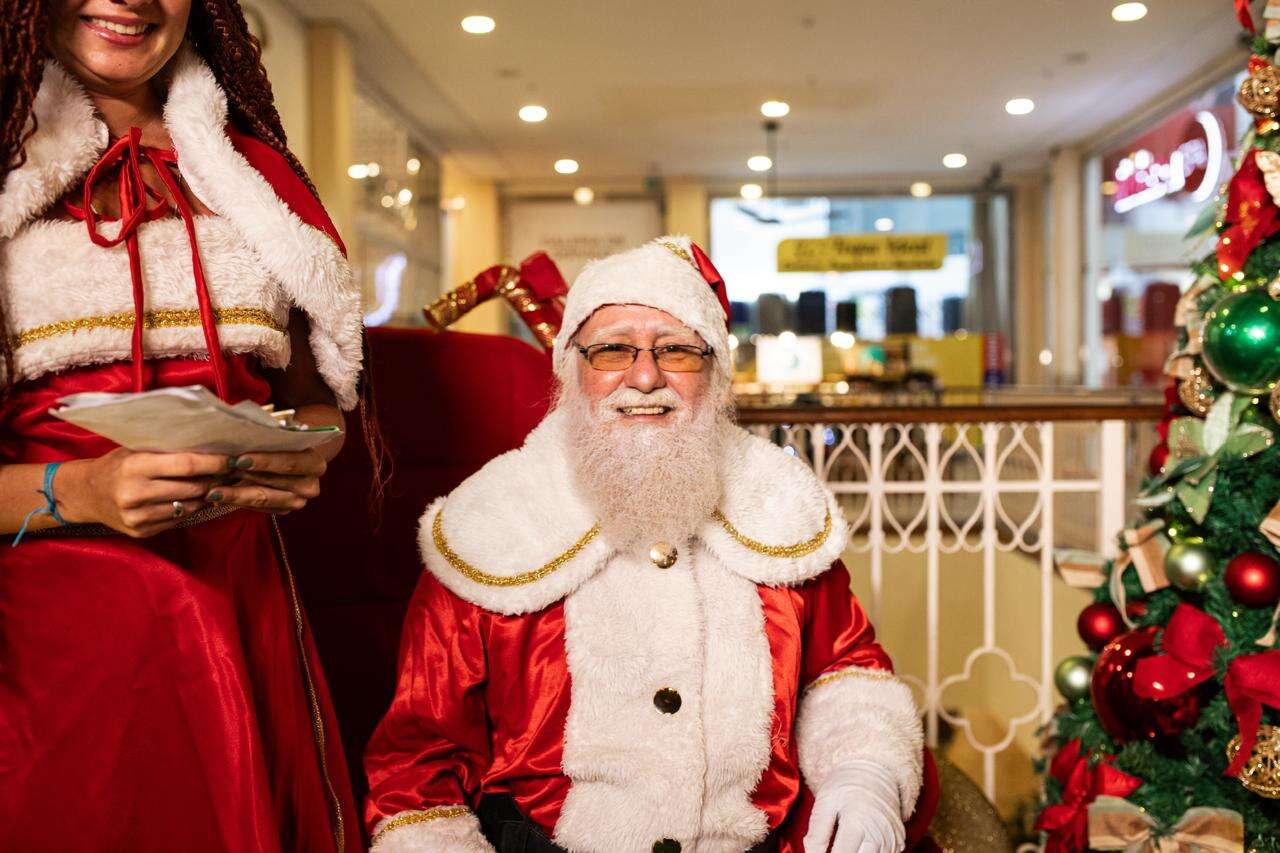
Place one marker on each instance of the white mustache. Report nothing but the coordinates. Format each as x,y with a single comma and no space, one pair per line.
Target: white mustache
625,398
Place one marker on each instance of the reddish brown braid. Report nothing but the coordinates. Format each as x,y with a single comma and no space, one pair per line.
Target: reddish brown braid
22,55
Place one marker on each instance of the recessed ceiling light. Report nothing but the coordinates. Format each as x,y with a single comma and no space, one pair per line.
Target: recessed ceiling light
775,109
584,195
759,163
751,192
884,223
358,171
478,24
374,170
955,161
413,165
1019,106
533,113
404,196
1127,12
566,166
388,201
921,189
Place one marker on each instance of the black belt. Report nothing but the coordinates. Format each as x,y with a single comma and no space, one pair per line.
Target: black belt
509,831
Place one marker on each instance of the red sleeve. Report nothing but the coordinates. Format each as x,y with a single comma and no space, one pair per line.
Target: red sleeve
432,747
837,632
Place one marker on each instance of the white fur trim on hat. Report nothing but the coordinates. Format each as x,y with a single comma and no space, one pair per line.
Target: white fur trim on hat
660,274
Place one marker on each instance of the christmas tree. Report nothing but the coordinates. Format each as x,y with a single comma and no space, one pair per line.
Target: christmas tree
1171,728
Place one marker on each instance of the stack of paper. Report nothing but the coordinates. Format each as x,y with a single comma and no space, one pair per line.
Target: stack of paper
191,418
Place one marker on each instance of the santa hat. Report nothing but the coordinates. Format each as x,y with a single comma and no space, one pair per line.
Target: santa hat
671,274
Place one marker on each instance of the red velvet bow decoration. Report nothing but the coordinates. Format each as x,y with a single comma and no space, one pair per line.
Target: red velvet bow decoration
540,274
1251,216
1246,20
713,278
1067,822
1189,642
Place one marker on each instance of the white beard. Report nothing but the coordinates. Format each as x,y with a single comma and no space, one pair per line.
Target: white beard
647,482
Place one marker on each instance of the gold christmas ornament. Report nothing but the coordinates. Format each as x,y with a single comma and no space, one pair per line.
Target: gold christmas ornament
1197,393
1262,774
1260,92
1273,289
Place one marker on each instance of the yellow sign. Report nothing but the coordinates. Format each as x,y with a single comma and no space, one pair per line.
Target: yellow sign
861,252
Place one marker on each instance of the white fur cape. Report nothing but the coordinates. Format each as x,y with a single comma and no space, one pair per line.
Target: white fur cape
631,628
301,265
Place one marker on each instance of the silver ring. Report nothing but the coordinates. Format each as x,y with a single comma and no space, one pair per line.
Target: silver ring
177,509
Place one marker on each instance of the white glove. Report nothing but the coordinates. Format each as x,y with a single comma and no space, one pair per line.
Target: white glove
860,802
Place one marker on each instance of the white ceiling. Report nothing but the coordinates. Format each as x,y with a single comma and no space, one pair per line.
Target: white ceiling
876,87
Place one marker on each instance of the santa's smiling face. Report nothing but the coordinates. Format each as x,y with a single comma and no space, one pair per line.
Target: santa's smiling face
670,374
644,441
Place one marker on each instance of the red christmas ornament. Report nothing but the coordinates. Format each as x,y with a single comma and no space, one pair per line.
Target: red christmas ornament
1156,461
1127,717
1253,579
1099,624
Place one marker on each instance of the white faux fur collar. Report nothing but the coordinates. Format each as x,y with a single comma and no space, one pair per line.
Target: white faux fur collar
311,270
514,538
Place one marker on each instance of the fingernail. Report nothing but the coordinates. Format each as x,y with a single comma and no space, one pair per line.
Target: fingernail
214,496
244,462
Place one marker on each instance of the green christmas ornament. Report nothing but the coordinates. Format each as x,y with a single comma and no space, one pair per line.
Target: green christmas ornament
1242,341
1073,678
1188,564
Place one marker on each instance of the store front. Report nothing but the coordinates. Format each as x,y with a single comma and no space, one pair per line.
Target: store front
840,292
1143,196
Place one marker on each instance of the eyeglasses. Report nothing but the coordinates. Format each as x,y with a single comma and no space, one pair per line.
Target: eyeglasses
675,358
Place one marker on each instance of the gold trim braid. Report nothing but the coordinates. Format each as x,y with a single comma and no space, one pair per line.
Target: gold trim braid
851,672
410,818
798,550
313,697
165,319
471,573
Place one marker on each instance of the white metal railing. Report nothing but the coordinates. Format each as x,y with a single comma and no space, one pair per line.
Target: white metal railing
982,498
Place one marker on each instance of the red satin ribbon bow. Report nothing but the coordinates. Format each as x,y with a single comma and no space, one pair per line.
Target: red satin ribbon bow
1189,642
713,278
1251,216
1246,19
139,203
1067,822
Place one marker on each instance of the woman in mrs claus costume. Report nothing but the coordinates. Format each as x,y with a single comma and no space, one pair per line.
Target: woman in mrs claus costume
158,686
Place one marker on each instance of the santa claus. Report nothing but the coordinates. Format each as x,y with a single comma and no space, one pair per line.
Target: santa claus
635,632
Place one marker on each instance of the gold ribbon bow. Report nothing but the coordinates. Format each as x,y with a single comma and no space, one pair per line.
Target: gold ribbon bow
1146,549
1116,824
1080,569
1270,528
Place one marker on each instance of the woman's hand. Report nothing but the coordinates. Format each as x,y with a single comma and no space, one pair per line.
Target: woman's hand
273,482
135,493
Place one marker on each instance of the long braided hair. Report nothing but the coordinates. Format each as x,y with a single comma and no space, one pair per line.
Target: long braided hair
220,35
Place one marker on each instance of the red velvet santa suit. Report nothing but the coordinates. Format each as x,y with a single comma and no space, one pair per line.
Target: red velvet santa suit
163,694
533,656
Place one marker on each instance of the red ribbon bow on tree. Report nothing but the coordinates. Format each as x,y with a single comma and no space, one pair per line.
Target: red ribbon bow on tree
1246,19
1190,640
1067,821
1251,216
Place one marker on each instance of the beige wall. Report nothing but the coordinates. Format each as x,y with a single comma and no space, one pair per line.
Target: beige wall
285,56
1030,281
472,239
686,209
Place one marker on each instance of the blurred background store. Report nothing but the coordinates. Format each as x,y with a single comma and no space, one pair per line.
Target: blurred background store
947,228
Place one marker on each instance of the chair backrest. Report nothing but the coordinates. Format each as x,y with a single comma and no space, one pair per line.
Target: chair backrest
446,404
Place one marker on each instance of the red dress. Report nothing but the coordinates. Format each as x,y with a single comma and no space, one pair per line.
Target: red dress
152,691
163,693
